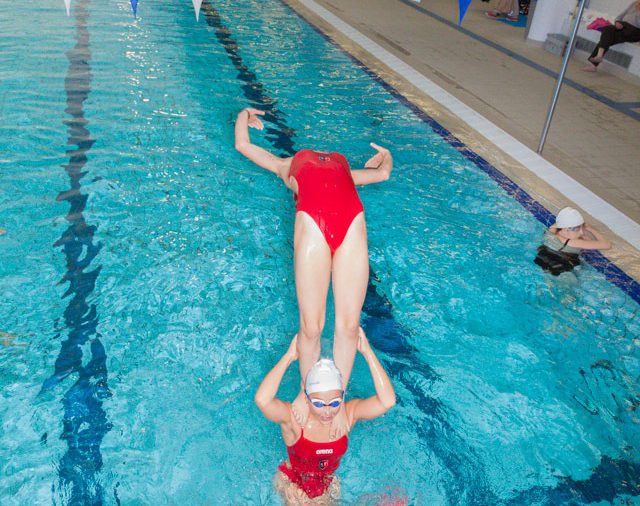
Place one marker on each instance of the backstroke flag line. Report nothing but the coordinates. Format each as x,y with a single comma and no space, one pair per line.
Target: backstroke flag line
464,5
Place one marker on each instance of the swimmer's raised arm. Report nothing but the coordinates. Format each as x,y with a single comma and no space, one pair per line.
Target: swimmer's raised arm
250,117
598,241
273,408
378,168
385,398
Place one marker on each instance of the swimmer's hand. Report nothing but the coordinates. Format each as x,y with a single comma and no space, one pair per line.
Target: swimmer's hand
253,120
363,343
382,160
292,352
340,424
300,408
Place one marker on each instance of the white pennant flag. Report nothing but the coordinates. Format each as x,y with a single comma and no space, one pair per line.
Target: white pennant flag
196,7
67,4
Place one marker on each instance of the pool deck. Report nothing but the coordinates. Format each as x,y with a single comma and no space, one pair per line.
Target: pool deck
486,82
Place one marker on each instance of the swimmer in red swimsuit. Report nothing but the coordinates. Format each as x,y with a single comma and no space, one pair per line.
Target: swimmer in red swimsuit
330,243
326,193
308,476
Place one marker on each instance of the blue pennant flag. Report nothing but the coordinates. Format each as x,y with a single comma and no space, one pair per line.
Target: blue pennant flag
464,5
134,6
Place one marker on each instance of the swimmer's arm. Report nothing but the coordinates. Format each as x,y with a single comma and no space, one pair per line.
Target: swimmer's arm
599,243
598,237
273,408
377,169
249,118
385,398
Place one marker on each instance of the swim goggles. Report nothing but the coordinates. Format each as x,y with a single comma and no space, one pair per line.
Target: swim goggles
574,229
333,403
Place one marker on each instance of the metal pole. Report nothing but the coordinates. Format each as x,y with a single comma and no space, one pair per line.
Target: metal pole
563,70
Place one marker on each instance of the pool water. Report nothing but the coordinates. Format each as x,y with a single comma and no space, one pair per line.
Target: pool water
147,279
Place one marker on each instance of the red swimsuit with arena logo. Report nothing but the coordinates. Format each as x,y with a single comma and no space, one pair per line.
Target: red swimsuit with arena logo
326,192
313,463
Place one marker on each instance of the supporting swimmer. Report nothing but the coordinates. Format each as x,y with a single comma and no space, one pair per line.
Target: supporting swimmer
314,456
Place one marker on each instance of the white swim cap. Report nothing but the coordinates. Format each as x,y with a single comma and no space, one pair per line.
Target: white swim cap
569,217
324,376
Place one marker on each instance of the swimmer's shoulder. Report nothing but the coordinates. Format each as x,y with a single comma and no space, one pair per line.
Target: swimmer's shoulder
350,407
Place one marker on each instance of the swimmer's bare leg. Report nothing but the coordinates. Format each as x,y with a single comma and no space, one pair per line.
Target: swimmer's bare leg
312,264
350,277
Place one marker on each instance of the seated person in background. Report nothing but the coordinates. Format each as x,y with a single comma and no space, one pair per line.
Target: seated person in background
509,9
563,242
313,455
626,29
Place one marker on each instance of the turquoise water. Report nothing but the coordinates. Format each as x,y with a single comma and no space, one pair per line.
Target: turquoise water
147,278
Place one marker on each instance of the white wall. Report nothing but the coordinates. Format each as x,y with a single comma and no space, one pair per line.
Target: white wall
549,17
613,7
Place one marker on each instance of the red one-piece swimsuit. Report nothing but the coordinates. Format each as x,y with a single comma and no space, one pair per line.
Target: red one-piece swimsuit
313,464
326,192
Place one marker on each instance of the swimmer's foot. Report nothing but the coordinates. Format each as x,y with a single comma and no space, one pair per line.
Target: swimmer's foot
339,424
300,408
3,231
495,14
595,59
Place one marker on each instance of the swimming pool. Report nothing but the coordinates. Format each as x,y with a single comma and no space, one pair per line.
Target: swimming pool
147,276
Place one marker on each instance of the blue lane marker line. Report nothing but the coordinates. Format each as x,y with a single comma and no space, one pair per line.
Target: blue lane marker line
611,271
630,105
618,106
282,137
85,421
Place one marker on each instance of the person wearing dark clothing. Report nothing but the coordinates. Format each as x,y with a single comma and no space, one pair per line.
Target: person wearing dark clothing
625,29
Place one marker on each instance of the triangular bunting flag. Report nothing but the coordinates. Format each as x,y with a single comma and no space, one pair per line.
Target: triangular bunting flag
196,7
134,6
464,5
67,4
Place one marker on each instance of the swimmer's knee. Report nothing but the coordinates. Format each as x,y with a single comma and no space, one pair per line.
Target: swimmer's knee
347,329
310,331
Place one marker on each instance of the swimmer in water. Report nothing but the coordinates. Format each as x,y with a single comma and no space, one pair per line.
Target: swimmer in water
314,456
564,240
329,242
